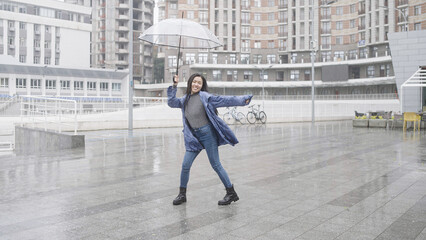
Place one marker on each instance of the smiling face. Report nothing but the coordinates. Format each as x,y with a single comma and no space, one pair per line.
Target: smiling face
196,85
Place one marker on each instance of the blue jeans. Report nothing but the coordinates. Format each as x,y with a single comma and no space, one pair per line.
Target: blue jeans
207,137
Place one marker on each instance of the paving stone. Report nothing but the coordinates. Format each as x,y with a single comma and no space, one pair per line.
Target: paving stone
295,181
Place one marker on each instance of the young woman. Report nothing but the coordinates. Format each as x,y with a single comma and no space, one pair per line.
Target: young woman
203,129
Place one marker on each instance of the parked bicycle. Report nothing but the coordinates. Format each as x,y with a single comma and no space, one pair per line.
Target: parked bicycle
256,115
233,114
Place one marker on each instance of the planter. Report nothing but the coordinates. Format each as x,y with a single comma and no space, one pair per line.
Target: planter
360,123
377,123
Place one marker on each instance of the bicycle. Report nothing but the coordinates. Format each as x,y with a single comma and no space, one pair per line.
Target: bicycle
233,114
255,114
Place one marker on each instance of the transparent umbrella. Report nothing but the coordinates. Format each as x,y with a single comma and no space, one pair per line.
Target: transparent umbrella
180,33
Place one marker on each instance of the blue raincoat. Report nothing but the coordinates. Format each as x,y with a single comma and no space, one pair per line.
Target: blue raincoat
210,102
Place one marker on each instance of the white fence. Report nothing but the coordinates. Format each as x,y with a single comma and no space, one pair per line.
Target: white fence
326,110
59,112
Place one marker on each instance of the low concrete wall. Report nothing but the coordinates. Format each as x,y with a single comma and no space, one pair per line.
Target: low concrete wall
30,140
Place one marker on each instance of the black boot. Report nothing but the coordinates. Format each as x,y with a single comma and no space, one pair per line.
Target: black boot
231,196
181,198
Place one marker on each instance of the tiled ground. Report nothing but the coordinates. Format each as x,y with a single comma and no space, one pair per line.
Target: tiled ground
294,182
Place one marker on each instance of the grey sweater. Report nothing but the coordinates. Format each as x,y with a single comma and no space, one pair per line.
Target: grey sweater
195,112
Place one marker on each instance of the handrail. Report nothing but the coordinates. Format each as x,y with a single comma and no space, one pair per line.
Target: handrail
53,110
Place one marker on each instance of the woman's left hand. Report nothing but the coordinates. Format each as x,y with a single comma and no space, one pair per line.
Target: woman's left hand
247,101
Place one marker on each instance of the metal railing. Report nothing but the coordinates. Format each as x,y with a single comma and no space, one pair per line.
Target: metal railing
56,111
383,96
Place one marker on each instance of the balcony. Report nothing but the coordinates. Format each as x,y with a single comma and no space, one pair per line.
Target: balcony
122,50
123,28
123,17
325,16
325,31
123,5
283,34
402,3
361,11
361,27
122,39
325,46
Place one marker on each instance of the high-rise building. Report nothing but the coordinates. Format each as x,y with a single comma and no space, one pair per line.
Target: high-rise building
110,37
46,32
271,40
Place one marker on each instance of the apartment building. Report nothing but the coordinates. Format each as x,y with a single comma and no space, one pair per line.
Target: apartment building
271,40
110,37
46,32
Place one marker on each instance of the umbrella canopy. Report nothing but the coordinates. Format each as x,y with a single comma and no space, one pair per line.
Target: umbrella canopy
180,33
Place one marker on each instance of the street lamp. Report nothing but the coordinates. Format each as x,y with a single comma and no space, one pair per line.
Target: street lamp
313,57
262,72
402,13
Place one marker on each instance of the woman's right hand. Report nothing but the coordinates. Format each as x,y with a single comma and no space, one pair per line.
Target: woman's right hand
175,80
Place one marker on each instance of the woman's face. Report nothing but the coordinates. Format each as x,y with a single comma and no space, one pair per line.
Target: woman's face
197,84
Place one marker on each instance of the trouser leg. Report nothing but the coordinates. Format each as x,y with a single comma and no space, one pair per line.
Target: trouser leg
188,159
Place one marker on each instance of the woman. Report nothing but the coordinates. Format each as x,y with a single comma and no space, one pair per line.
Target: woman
203,129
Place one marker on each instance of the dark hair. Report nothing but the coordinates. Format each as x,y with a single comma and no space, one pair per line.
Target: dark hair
189,87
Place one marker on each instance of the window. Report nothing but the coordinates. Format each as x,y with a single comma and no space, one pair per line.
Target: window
352,23
257,16
190,1
271,58
78,85
271,44
202,58
245,58
217,75
214,58
257,3
50,84
116,87
339,55
271,16
248,76
91,86
22,26
232,59
103,86
257,30
65,85
47,60
190,14
190,58
339,25
370,71
307,75
21,83
172,61
352,38
36,83
22,58
417,26
294,75
339,40
339,10
352,8
36,59
271,30
4,82
257,58
257,44
417,10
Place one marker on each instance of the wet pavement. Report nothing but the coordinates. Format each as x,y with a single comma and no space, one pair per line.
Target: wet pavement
331,181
